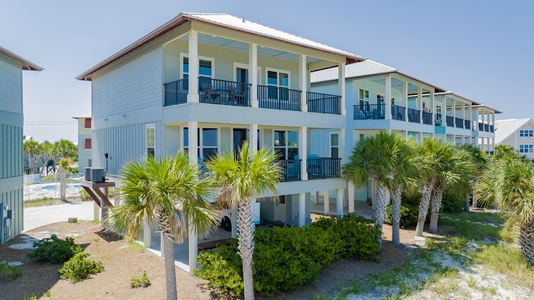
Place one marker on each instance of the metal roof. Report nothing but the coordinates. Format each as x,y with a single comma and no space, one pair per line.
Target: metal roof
26,65
504,128
223,20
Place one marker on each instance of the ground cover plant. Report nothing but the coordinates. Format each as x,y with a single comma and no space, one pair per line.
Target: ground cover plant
8,272
54,250
140,280
79,268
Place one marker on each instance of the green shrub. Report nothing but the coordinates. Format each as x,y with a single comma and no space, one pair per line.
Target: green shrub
140,280
452,203
54,250
9,272
79,267
84,195
222,268
409,215
359,235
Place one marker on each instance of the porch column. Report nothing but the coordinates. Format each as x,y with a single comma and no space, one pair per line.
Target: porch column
420,103
193,141
302,209
432,110
444,110
477,119
253,138
387,99
253,73
339,202
453,112
351,196
193,158
493,120
405,100
147,234
341,87
303,84
193,249
341,146
303,152
326,202
192,95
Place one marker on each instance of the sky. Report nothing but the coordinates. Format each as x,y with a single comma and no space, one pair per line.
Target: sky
480,49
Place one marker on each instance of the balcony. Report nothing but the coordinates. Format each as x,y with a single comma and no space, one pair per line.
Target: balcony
492,128
467,124
223,92
438,121
291,170
398,112
427,118
414,115
369,112
450,121
323,103
486,127
176,92
318,168
274,97
459,122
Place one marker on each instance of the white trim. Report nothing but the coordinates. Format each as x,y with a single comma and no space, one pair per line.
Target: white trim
330,144
186,54
147,126
244,66
278,71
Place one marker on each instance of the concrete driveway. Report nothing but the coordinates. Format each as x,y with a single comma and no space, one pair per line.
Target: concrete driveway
38,216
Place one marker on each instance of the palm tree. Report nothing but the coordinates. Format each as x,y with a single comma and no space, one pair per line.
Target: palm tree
169,192
63,168
480,160
243,177
32,149
65,150
427,153
378,158
454,167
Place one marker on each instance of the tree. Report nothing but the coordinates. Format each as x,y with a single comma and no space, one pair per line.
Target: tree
427,153
480,161
380,158
65,150
63,168
32,149
243,177
166,191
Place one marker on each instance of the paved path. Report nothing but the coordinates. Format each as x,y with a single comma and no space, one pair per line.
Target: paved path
39,216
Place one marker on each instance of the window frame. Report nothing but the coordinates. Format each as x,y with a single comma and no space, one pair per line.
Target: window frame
362,101
200,142
90,140
286,147
331,147
206,58
147,146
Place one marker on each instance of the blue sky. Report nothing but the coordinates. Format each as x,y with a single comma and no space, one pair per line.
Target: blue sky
479,49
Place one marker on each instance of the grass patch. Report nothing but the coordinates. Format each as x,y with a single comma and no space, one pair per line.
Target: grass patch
463,227
9,272
133,246
39,202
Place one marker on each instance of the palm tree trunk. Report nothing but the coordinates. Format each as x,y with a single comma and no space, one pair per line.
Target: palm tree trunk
474,185
436,205
396,214
63,185
526,241
466,202
246,245
379,209
426,192
33,163
168,253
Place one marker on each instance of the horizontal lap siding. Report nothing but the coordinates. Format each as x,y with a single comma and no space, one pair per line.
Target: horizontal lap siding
10,85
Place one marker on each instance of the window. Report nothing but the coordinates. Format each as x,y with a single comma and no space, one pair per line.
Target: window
278,83
334,145
150,140
526,133
87,144
205,70
364,99
87,122
526,148
208,142
286,144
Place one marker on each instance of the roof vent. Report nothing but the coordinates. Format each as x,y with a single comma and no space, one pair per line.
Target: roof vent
243,19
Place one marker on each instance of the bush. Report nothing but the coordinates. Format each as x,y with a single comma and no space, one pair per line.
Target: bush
452,203
79,268
54,250
140,281
9,272
409,214
84,195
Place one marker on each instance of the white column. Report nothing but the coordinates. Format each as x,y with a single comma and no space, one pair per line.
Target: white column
420,103
341,88
493,120
351,197
147,234
192,95
444,110
253,138
341,145
193,158
303,84
453,112
432,109
477,119
326,203
339,202
193,249
303,152
253,73
387,98
302,209
193,141
405,100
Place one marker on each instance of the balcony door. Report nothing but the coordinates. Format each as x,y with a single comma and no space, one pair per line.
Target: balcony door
239,137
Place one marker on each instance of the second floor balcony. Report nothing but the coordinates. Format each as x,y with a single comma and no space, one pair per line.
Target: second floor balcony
317,168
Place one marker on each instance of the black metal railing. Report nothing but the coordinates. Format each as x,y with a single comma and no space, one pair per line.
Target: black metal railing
224,92
459,122
486,127
323,103
369,112
450,121
467,124
291,169
398,112
278,98
492,128
414,115
323,167
427,118
438,121
480,126
176,92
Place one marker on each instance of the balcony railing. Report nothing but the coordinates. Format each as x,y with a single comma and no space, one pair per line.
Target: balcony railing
467,124
450,121
439,120
486,127
291,169
323,103
427,118
216,91
492,128
369,112
398,112
278,98
176,92
323,167
459,122
480,126
414,115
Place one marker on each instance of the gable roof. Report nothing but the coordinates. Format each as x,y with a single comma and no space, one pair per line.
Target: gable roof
26,64
505,128
222,20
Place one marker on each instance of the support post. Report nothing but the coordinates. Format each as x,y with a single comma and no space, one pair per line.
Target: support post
253,73
341,87
303,85
192,95
339,202
326,204
303,152
387,99
351,196
302,209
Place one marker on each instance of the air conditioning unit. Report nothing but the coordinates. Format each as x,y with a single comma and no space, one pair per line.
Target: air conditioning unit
87,174
97,175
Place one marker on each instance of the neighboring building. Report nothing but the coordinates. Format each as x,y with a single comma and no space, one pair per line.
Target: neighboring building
11,150
251,82
84,142
518,133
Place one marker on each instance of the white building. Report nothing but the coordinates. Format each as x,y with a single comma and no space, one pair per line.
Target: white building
518,133
84,141
251,82
11,150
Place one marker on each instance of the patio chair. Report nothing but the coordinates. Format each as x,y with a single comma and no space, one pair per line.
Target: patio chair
315,166
208,94
237,97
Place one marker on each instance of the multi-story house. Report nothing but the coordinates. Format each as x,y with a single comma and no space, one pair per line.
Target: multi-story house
205,83
518,133
11,151
84,141
380,97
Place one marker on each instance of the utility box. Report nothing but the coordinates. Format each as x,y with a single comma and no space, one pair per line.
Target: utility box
97,174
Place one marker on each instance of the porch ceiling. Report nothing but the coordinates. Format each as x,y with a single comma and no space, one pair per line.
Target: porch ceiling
396,84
